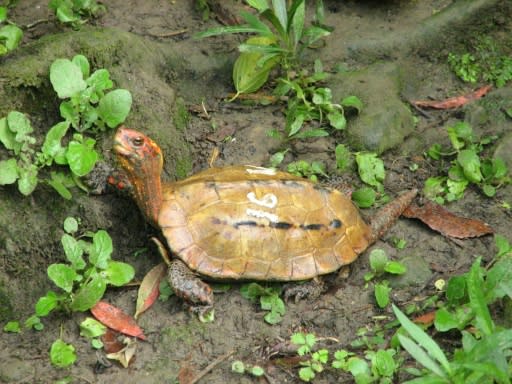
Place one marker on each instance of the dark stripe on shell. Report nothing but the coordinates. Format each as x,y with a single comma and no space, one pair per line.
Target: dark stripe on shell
280,225
335,223
248,223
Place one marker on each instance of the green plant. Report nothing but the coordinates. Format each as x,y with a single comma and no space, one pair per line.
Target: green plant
88,107
269,300
311,170
281,43
62,354
380,264
71,11
316,360
465,67
83,282
93,329
240,367
10,33
467,167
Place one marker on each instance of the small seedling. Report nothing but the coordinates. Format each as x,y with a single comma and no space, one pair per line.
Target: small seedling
72,12
240,367
317,360
62,355
467,167
93,329
380,264
12,327
269,300
10,33
311,170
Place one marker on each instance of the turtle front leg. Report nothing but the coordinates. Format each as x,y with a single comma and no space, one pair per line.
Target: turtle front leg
309,289
189,287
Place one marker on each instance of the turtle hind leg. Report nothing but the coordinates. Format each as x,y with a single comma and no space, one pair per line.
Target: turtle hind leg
189,287
309,289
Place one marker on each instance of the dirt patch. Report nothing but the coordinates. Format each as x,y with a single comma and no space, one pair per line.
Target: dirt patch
168,74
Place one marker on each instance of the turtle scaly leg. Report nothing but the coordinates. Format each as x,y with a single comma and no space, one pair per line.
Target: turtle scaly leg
189,287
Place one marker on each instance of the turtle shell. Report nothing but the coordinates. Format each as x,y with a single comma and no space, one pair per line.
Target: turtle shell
254,223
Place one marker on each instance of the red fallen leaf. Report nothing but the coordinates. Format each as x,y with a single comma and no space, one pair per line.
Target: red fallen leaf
441,220
149,288
116,319
453,102
111,343
426,319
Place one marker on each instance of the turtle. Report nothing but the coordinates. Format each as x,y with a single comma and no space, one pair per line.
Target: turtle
245,222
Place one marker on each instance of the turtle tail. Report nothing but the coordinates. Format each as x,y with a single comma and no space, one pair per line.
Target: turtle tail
387,215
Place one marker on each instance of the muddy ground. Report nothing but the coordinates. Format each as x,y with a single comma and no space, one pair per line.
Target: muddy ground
396,51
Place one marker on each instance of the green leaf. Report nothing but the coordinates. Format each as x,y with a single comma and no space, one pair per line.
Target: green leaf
81,156
100,80
66,78
89,294
297,16
444,320
8,171
370,168
382,291
342,155
3,14
101,249
353,102
46,304
34,322
91,328
378,260
395,268
364,197
52,143
61,354
70,225
11,36
259,5
425,341
65,14
27,181
56,183
73,251
456,289
63,276
114,107
296,125
69,113
82,62
7,137
488,190
12,327
337,120
470,163
434,187
384,363
281,12
20,124
119,273
420,355
477,299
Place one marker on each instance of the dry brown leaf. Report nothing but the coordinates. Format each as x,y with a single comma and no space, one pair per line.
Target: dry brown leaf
453,102
441,220
111,342
116,319
149,288
125,355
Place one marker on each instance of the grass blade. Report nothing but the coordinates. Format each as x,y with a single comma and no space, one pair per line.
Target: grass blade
421,356
423,339
280,12
477,300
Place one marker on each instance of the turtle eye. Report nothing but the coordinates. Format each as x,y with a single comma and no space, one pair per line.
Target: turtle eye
138,141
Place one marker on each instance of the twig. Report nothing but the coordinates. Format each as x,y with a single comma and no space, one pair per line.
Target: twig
210,366
169,34
35,23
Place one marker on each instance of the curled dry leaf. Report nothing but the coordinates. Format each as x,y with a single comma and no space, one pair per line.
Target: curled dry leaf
149,288
116,319
453,102
441,220
125,355
111,342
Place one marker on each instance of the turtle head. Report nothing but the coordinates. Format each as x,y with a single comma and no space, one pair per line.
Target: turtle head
141,159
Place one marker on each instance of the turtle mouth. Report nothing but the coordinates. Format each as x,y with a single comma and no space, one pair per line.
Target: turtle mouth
120,149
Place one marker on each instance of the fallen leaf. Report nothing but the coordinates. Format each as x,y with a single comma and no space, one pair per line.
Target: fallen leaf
453,102
111,342
149,288
125,355
187,373
441,220
116,319
425,319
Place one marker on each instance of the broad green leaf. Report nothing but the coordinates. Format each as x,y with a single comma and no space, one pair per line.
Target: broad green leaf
66,78
342,155
100,80
91,328
297,18
314,33
489,190
101,249
20,124
114,107
119,273
46,304
382,291
89,294
82,62
81,157
52,142
378,260
62,275
65,14
7,137
296,125
352,102
70,225
27,181
259,5
421,356
281,12
470,163
395,268
337,120
370,168
8,171
434,186
11,36
444,320
477,299
3,14
73,251
12,327
424,340
310,133
456,289
384,363
364,197
69,113
59,187
61,354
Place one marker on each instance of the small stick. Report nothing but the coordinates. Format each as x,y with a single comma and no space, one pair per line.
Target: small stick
35,23
210,366
169,34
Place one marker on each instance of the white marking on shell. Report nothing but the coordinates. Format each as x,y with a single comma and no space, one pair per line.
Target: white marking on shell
268,201
262,215
261,171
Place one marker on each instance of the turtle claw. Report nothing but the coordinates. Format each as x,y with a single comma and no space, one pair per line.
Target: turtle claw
309,289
